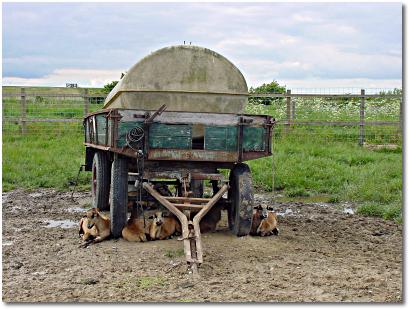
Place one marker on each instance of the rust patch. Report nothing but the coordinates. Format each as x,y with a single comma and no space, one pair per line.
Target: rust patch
192,155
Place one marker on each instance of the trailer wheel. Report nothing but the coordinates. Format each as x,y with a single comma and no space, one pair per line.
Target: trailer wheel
100,181
241,197
119,195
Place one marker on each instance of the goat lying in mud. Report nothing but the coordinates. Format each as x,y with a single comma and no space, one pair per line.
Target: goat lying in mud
163,227
94,227
135,231
264,222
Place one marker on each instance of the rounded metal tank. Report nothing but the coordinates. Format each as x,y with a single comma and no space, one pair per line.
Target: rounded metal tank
185,78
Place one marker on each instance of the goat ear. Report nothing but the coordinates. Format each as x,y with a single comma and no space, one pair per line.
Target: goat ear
269,208
97,210
151,217
258,207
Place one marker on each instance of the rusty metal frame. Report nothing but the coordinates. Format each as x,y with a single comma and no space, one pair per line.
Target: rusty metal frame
191,232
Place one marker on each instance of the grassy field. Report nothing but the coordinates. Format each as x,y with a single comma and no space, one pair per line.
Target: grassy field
310,162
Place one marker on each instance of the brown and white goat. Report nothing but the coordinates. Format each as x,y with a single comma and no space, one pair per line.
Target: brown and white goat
264,222
101,225
163,227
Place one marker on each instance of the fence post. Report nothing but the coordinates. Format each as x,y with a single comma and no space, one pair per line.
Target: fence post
293,109
86,101
401,115
361,128
23,111
288,109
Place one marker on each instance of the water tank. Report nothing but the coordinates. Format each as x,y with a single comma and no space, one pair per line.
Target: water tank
185,78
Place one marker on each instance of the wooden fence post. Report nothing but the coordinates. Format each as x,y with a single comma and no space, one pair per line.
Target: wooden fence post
288,110
401,115
23,111
361,128
293,110
86,101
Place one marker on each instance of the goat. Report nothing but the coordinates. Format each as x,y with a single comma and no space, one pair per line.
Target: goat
264,222
135,230
99,222
84,232
163,227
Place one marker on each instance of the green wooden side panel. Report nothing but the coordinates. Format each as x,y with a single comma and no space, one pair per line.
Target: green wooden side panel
101,121
170,142
165,136
219,138
254,138
123,128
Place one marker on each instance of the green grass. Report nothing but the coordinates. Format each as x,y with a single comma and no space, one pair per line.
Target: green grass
174,253
147,282
343,171
43,160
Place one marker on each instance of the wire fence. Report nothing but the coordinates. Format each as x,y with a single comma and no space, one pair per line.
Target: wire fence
371,116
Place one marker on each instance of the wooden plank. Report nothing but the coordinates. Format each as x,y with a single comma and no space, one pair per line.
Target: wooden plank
361,129
175,130
194,199
192,155
123,129
23,111
101,128
253,138
170,142
188,206
208,119
220,138
86,101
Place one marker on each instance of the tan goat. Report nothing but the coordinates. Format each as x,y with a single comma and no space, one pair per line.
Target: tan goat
135,231
163,227
99,222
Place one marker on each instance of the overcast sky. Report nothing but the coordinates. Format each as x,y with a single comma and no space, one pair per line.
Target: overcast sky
298,44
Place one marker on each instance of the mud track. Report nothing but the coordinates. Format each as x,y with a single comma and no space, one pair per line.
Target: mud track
323,253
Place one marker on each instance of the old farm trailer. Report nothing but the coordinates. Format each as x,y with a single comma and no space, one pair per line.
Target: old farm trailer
176,119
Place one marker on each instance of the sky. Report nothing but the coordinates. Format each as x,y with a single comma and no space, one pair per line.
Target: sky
300,45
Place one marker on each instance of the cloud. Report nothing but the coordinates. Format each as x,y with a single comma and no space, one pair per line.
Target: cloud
283,41
59,77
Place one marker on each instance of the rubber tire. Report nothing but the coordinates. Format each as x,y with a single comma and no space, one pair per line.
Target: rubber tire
100,181
241,196
119,195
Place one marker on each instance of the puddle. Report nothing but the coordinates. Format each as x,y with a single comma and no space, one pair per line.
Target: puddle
288,211
62,224
76,210
7,243
348,210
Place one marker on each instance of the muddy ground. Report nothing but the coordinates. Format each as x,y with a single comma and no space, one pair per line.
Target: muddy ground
323,253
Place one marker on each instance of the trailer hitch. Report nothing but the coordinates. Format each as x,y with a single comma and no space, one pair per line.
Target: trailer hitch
191,232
